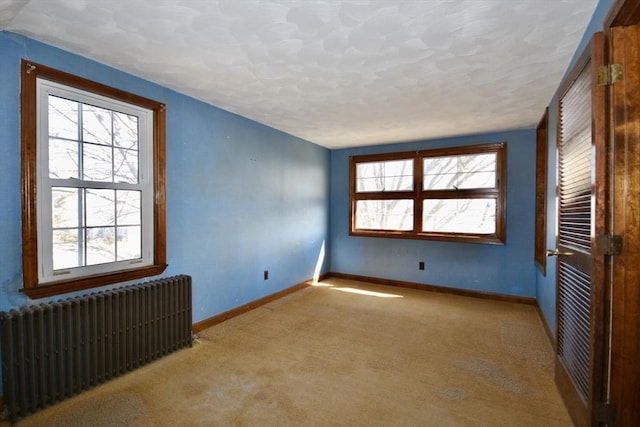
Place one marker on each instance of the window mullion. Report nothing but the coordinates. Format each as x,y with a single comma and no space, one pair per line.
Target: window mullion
82,229
417,191
490,193
390,195
82,232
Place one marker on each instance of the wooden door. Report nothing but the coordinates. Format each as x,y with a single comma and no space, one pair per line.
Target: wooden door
579,299
623,34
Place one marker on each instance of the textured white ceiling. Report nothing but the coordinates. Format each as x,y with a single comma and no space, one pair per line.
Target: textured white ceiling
338,73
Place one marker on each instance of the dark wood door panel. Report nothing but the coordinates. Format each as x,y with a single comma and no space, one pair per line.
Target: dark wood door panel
625,276
579,296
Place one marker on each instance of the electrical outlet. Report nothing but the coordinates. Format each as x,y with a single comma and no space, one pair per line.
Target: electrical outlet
266,275
421,265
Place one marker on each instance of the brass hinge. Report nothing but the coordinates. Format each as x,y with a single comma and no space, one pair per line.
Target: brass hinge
609,74
604,413
609,244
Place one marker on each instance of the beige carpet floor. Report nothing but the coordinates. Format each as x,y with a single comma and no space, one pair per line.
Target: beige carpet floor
343,353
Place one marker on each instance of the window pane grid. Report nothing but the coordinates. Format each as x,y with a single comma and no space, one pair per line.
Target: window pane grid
459,172
461,199
393,175
92,143
95,226
473,216
89,145
384,215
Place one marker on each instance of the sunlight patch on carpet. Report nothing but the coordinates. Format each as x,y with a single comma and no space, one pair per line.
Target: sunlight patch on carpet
367,293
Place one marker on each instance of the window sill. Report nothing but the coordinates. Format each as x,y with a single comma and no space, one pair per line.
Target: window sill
65,286
488,239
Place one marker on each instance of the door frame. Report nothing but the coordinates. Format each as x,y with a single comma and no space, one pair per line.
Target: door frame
623,137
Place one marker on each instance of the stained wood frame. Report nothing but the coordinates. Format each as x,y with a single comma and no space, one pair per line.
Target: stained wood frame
540,239
30,72
418,194
622,31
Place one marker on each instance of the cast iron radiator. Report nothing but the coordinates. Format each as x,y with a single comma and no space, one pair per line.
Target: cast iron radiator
55,350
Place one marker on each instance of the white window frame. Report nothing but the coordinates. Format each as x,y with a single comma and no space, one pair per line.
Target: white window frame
46,273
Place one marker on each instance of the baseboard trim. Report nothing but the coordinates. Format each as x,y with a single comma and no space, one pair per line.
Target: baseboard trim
552,338
219,318
435,288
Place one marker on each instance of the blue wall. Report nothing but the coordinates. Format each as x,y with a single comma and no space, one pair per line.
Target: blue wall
504,269
546,284
241,197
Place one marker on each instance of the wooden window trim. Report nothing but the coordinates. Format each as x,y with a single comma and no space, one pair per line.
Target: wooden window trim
418,195
30,72
540,240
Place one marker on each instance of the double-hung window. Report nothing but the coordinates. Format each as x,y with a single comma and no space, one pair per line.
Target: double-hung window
92,175
455,194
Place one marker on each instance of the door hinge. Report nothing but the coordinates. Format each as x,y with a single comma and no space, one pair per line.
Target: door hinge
609,74
604,413
609,244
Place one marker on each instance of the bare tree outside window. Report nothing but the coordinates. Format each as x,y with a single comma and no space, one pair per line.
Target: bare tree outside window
461,196
459,173
389,177
95,145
